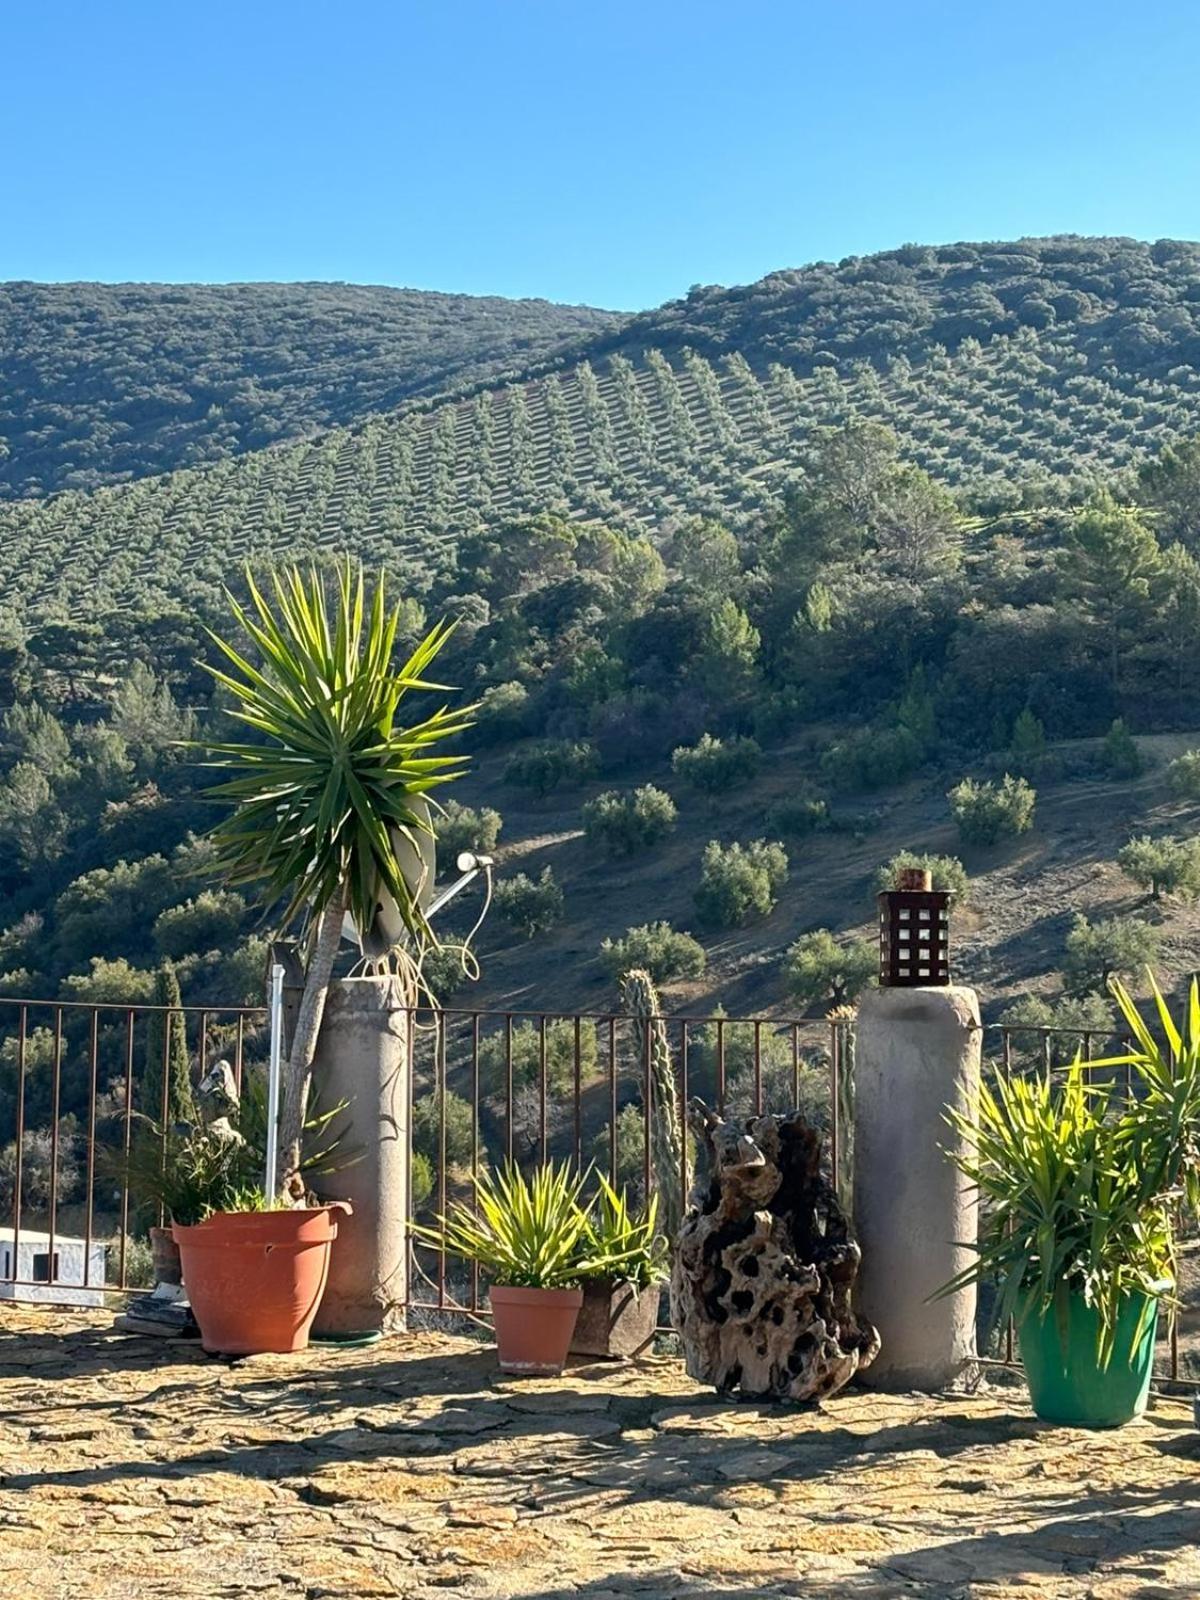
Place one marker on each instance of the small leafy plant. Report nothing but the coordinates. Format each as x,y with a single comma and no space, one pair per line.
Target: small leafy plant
628,1240
532,1232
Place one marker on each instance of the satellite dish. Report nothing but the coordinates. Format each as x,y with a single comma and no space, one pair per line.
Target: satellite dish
416,853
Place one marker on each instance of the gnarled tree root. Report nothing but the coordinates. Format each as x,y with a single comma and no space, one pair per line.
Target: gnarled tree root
764,1265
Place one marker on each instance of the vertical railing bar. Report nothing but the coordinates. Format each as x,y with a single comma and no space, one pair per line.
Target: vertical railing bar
22,1035
835,1103
410,1211
578,1095
543,1105
168,1020
612,1100
203,1052
440,1079
795,1064
683,1122
508,1072
128,1134
1009,1329
647,1107
94,1053
475,1147
758,1079
721,1066
239,1050
55,1109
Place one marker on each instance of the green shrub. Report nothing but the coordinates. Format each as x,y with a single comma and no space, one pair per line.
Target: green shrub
1164,866
462,828
716,765
872,760
793,819
948,872
624,823
1028,737
531,905
1097,950
1080,1015
819,967
739,883
551,765
211,921
527,1057
988,812
1183,776
1119,754
665,954
420,1177
460,1128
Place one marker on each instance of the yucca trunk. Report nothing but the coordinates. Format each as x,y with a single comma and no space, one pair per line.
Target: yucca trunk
296,1086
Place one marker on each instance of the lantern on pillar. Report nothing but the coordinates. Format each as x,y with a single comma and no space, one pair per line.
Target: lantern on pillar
914,933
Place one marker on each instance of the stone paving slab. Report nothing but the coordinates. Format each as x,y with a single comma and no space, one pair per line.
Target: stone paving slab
142,1468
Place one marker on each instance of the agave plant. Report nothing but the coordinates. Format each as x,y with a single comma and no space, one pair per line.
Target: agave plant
626,1240
527,1232
326,786
1079,1179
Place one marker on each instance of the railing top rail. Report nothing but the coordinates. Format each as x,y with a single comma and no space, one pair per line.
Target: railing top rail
123,1006
706,1019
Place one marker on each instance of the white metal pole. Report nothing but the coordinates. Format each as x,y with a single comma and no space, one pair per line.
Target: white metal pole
273,1075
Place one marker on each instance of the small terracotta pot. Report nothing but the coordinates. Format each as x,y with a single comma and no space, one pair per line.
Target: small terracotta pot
534,1328
617,1320
254,1279
164,1255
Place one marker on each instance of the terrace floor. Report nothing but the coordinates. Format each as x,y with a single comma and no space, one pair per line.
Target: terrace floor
142,1468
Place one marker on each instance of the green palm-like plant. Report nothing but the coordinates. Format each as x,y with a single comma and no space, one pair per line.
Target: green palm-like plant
326,787
625,1239
526,1232
1078,1181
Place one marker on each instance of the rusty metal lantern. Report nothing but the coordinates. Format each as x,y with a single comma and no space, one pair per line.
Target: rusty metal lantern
914,933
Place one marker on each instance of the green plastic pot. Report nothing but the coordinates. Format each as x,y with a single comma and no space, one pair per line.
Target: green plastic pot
1067,1384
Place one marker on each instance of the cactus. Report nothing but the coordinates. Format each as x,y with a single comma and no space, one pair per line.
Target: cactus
640,999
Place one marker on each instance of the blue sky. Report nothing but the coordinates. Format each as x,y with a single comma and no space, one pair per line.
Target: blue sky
585,150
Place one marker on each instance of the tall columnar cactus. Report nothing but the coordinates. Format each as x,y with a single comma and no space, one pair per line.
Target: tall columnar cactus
640,999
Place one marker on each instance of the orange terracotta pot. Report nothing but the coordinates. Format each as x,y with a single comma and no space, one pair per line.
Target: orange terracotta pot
254,1279
534,1328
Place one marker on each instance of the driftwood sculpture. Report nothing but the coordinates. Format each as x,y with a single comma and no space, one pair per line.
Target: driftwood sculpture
764,1265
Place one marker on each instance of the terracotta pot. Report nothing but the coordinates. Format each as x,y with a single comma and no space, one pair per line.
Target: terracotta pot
254,1279
534,1328
164,1255
616,1319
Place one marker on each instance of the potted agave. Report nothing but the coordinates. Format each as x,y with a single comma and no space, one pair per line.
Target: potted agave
619,1314
327,813
1078,1184
532,1238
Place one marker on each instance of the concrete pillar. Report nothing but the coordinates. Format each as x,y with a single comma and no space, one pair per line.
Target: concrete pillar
916,1051
363,1057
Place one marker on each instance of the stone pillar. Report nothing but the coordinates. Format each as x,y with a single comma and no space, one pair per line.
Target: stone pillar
916,1051
363,1057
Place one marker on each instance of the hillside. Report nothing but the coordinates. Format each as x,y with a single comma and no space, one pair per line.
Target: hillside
104,382
1009,941
1016,373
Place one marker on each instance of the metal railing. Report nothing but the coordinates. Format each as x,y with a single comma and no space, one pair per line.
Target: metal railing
485,1087
73,1076
525,1086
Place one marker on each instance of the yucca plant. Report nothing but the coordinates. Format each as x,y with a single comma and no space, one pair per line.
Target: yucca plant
626,1239
325,788
1078,1179
524,1231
